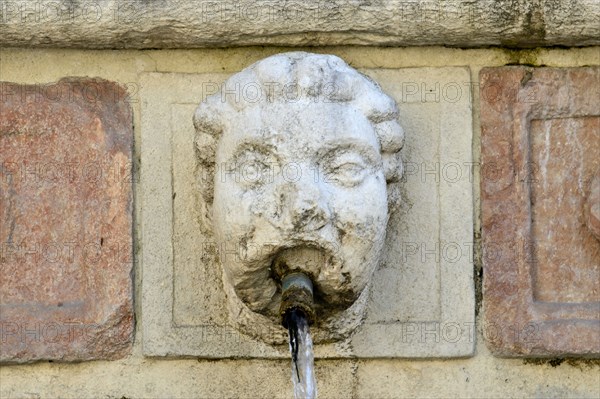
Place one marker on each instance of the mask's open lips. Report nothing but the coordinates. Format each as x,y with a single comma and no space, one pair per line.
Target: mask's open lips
305,259
256,280
259,285
323,265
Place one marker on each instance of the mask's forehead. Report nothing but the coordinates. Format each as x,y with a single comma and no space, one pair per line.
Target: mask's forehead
301,126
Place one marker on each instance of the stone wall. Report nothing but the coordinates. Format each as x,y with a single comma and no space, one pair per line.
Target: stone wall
142,374
145,24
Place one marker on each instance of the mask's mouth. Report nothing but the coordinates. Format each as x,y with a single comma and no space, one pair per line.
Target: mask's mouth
298,277
303,259
324,289
259,282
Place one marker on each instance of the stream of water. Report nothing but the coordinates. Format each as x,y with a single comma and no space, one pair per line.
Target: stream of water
301,348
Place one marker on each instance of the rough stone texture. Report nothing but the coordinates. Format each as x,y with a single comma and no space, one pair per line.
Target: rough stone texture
540,143
483,376
179,24
592,207
137,376
66,220
421,303
298,153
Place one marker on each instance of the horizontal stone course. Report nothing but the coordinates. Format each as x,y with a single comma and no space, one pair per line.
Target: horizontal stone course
190,24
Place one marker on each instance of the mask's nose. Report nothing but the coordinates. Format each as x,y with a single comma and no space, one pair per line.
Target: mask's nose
306,206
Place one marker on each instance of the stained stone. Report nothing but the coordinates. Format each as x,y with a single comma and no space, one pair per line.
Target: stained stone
66,221
422,298
540,143
342,137
114,24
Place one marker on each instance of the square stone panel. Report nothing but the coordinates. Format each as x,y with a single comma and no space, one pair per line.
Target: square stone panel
540,161
422,299
65,221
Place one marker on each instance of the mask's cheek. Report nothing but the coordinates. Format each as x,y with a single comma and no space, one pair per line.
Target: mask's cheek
362,211
360,219
271,204
255,288
232,210
261,204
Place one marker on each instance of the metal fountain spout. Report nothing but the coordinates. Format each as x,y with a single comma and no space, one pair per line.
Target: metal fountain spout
296,295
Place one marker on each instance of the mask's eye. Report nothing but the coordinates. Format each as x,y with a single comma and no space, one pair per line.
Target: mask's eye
254,168
347,169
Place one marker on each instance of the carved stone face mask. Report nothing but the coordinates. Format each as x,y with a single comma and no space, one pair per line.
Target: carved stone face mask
303,181
305,176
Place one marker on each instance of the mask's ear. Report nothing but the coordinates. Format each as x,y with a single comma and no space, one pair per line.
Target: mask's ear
205,199
205,178
205,144
206,224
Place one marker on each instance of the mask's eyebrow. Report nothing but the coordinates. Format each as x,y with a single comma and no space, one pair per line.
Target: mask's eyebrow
253,144
364,149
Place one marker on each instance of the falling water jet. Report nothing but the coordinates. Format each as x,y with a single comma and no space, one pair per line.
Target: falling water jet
297,313
295,319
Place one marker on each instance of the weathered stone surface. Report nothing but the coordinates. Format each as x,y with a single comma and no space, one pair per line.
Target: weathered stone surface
65,221
421,303
540,145
298,181
592,207
137,376
186,24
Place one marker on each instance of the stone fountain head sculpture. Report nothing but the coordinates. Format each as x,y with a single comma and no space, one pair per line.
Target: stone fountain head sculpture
297,159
